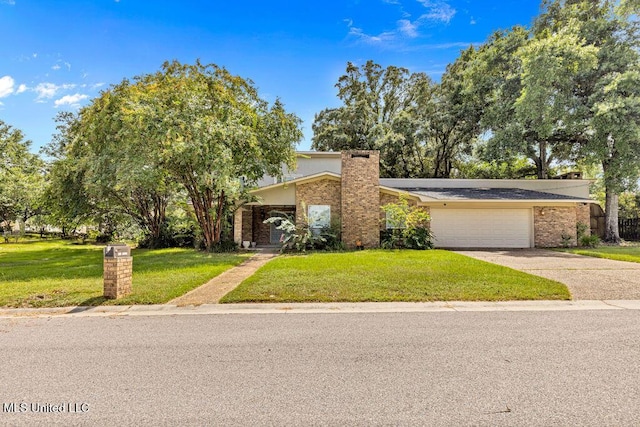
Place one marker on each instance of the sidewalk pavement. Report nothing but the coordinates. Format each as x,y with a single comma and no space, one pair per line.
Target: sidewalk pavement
313,308
219,286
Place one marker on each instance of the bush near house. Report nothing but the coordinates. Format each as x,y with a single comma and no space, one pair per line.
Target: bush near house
298,236
407,227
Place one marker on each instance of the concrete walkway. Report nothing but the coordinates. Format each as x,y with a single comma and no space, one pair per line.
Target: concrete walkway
587,278
219,286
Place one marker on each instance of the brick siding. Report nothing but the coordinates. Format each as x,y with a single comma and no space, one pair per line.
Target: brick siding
117,277
583,215
550,223
361,198
321,192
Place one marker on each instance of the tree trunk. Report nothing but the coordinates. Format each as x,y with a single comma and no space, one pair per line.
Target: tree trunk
538,164
611,233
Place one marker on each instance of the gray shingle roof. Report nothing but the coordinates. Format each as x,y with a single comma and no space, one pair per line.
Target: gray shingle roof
488,194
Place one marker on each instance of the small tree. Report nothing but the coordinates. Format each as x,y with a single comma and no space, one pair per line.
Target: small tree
408,226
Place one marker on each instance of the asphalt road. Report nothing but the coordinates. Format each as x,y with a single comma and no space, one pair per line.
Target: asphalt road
466,368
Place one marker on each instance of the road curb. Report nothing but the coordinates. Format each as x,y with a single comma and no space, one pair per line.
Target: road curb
312,308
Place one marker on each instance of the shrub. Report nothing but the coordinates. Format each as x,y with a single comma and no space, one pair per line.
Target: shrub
581,230
299,237
332,238
408,227
589,241
566,240
224,246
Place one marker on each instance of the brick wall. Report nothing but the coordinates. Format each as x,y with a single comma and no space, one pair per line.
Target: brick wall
237,226
321,192
117,277
583,215
361,198
247,225
551,222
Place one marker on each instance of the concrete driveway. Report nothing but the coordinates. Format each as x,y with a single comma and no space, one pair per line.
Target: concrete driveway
587,278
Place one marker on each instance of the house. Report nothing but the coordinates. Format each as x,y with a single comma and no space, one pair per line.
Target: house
346,188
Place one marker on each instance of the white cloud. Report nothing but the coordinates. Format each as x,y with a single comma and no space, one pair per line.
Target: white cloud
371,39
9,2
58,65
438,10
22,88
408,28
49,90
46,90
472,22
71,100
6,86
404,28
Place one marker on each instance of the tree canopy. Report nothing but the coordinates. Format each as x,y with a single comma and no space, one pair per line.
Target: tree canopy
196,126
406,116
562,92
21,177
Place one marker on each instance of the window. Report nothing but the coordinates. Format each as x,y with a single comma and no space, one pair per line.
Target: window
319,216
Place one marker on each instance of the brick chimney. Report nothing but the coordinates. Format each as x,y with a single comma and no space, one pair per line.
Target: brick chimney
361,198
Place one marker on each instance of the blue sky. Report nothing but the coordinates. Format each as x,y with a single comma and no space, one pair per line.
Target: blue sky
58,55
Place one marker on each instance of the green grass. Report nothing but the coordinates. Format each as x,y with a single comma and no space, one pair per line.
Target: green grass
619,253
378,275
59,273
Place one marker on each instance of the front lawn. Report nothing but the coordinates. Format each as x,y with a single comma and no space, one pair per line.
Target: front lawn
619,253
59,273
379,275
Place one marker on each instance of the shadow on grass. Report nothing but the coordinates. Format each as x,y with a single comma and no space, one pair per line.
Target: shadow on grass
88,304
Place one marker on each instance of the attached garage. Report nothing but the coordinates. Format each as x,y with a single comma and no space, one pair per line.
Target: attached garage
482,228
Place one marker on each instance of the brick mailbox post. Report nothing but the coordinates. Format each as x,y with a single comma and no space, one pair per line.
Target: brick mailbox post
118,267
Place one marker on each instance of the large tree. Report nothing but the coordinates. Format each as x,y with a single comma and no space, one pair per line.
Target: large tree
21,177
373,117
496,79
196,125
124,176
604,107
451,126
70,198
561,92
416,124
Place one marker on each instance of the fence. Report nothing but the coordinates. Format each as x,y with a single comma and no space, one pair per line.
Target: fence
629,229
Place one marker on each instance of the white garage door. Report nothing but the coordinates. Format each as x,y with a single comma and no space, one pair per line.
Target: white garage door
481,228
